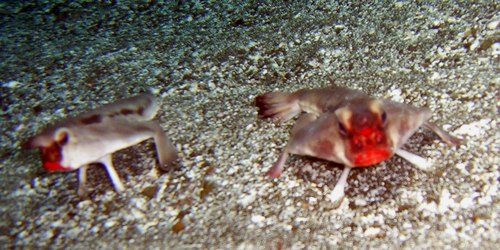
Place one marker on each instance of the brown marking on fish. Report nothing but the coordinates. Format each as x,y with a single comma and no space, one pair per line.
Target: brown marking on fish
91,119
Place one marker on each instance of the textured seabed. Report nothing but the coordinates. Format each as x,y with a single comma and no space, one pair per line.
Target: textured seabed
206,61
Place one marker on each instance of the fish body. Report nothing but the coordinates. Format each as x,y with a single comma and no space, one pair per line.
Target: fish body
345,126
93,136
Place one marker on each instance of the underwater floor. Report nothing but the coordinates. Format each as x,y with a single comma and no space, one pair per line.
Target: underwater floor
207,61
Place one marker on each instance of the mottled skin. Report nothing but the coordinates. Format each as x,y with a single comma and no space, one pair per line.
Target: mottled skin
345,126
93,136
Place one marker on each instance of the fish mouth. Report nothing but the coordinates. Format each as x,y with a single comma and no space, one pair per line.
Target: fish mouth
371,157
54,166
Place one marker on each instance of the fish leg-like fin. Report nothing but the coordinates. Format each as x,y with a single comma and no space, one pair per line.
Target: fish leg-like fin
278,106
445,136
278,167
417,161
304,121
82,181
166,151
113,175
338,191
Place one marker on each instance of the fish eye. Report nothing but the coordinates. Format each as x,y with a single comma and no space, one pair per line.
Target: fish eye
63,140
342,129
384,118
61,137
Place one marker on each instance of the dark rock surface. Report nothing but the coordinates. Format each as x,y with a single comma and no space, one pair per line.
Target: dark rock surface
207,60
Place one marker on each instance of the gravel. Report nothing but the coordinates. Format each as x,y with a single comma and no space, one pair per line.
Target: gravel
206,61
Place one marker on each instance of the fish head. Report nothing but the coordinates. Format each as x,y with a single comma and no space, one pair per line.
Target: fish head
51,146
362,126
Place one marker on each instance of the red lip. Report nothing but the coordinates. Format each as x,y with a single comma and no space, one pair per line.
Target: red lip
371,157
53,166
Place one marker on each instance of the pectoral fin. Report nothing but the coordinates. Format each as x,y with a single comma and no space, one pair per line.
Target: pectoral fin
277,168
445,136
127,133
279,165
166,151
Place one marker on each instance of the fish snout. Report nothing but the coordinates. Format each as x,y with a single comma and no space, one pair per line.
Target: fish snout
369,148
371,157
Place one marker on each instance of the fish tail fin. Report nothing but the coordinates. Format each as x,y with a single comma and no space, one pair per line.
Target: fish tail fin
278,106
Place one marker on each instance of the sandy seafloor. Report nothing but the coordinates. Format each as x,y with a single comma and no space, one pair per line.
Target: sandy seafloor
206,61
